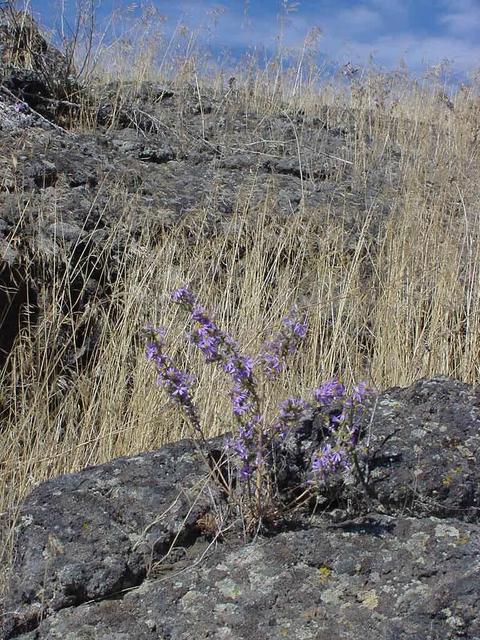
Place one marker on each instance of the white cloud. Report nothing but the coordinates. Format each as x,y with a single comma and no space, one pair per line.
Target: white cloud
462,17
352,34
417,52
358,19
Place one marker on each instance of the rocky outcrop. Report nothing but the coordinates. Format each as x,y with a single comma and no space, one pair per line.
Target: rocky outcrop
152,160
31,68
123,550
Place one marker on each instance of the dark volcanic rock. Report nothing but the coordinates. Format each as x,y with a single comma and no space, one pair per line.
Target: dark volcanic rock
31,68
402,565
153,155
104,529
426,461
376,577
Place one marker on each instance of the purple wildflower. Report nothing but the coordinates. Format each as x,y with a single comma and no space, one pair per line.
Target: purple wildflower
20,107
329,391
354,434
297,327
239,367
247,432
329,460
184,296
283,344
240,449
360,391
246,472
272,364
215,344
176,383
244,446
151,350
200,315
208,340
241,400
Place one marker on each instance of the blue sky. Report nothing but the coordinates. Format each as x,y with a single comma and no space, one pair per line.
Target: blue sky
421,32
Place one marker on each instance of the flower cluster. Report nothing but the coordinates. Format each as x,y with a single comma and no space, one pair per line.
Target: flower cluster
284,343
20,107
253,438
177,383
343,426
218,347
328,392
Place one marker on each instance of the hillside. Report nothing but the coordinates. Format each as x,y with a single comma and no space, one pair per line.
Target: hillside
356,199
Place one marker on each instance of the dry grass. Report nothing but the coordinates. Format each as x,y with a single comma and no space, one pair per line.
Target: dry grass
399,301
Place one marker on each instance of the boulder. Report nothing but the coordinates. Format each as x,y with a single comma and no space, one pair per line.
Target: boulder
124,550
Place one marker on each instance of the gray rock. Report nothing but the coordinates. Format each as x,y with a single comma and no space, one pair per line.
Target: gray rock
90,554
88,535
62,231
375,577
425,461
31,68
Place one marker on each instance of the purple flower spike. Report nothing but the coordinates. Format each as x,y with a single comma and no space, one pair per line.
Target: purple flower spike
200,315
151,350
241,401
297,327
246,472
176,383
360,391
239,367
272,365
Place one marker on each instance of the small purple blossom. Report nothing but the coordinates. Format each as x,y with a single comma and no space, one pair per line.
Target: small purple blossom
329,460
200,315
283,344
245,447
360,391
246,472
241,400
178,382
184,296
151,350
215,344
20,107
239,367
329,391
272,364
343,424
208,340
297,326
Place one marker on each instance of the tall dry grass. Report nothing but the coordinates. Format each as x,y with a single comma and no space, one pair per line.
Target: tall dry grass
396,301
